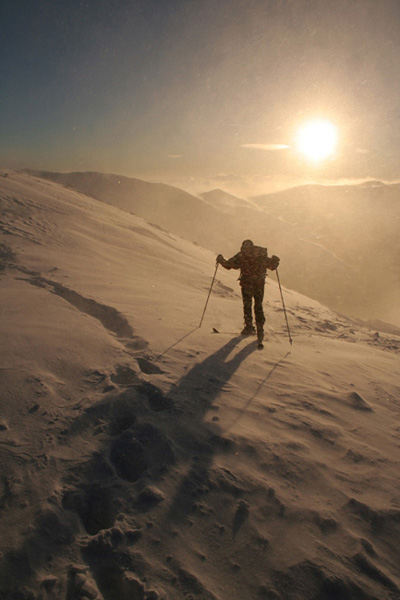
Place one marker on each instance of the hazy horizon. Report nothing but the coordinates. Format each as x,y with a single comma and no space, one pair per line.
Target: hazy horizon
240,189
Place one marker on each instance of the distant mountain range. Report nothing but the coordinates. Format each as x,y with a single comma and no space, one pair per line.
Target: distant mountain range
338,244
360,225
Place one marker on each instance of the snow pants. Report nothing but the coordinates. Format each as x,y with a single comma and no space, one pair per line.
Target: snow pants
248,293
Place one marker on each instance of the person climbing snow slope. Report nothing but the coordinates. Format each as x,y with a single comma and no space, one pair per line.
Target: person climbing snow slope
253,262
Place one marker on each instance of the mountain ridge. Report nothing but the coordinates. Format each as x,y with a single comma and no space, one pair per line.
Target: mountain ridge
327,237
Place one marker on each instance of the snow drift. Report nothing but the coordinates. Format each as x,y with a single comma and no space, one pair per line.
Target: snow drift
143,457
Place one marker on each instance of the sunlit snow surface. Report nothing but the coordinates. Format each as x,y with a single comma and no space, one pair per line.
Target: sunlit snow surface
144,457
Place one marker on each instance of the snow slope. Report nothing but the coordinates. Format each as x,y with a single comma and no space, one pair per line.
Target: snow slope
144,457
338,244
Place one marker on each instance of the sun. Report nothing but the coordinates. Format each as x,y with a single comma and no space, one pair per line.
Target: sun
317,140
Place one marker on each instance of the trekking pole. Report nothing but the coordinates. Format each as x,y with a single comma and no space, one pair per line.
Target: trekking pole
209,293
284,307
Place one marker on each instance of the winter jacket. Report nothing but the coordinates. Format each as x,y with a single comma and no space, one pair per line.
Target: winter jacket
253,265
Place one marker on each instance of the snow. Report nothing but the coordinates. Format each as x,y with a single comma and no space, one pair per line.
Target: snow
145,457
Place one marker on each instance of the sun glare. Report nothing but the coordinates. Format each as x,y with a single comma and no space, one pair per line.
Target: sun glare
317,140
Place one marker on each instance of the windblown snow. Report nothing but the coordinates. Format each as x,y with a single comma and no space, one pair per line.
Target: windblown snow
146,458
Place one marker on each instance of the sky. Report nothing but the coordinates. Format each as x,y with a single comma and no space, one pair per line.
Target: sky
200,93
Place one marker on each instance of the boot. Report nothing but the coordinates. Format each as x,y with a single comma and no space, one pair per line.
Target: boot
260,335
248,330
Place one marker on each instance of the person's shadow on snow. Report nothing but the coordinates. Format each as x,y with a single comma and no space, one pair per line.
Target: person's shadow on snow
195,394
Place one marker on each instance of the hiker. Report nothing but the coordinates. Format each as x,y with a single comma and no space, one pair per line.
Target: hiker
253,262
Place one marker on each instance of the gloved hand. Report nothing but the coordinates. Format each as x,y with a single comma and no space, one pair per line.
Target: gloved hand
220,259
274,262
